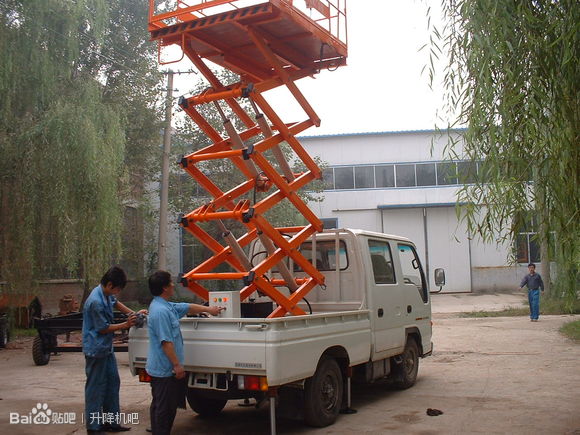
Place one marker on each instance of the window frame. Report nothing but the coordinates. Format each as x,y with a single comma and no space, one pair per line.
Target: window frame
390,252
424,291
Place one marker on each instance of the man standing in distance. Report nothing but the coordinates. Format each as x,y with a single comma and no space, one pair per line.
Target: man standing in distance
534,282
102,386
165,357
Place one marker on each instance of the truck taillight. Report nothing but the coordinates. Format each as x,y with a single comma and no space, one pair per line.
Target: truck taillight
143,375
255,383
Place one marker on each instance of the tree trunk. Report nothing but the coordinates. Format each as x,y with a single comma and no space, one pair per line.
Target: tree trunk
545,265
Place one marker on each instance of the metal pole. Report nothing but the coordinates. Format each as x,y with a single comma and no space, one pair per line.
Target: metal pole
272,415
164,195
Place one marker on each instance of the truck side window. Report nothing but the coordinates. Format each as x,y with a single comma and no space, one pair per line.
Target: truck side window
412,270
325,255
382,262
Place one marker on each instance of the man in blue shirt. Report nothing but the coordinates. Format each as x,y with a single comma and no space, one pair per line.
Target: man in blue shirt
165,357
534,282
102,386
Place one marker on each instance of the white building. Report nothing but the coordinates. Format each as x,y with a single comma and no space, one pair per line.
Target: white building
398,183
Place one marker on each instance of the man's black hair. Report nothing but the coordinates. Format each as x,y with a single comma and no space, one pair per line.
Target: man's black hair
116,276
157,281
532,264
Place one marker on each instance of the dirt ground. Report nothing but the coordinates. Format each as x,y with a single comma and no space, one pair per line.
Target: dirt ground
488,375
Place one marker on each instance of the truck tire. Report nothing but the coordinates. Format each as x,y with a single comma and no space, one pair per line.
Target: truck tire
323,394
39,355
204,406
405,372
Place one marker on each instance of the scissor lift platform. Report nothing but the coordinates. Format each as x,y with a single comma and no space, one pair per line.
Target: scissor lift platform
298,41
268,44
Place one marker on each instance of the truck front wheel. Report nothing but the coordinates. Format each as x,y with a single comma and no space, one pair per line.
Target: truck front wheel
323,394
204,406
405,372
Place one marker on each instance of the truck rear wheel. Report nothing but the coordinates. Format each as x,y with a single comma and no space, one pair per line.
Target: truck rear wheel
405,372
204,406
39,355
323,394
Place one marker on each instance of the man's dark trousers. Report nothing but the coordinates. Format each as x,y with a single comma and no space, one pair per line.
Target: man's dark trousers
101,389
168,394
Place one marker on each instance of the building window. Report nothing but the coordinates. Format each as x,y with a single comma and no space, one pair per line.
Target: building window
405,175
527,248
328,179
329,223
426,175
344,178
385,176
402,175
187,251
466,172
364,177
446,173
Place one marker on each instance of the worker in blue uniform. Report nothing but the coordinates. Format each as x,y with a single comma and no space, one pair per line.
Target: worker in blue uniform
165,358
102,410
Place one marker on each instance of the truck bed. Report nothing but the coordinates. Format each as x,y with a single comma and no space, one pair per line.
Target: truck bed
284,349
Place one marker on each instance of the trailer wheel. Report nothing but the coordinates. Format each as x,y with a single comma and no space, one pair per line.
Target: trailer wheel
39,355
204,406
405,372
4,333
323,394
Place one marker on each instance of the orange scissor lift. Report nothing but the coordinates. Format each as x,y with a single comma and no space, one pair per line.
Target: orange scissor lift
268,44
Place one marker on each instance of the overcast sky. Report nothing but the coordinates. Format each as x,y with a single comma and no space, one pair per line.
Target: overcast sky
382,87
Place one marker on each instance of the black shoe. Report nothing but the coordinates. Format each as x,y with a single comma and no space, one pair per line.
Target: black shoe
95,432
111,428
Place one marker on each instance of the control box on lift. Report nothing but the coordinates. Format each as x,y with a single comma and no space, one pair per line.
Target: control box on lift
230,300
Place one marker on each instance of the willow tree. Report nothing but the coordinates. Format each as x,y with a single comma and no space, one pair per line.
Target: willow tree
65,123
513,79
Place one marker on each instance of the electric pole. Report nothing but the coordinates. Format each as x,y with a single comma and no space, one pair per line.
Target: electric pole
164,194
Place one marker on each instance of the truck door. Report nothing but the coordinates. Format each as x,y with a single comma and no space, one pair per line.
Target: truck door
387,314
416,308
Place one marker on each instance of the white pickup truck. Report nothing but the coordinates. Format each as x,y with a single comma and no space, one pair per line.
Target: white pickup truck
371,321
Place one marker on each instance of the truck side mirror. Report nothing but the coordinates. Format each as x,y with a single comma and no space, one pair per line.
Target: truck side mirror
439,277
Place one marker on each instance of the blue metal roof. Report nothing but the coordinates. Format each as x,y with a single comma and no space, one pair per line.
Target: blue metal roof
382,133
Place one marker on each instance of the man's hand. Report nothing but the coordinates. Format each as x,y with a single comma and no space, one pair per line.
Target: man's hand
146,312
131,320
179,371
215,311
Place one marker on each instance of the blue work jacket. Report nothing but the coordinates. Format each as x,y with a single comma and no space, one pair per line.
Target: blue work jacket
98,315
163,325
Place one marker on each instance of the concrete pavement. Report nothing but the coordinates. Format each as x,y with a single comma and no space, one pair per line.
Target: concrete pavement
450,303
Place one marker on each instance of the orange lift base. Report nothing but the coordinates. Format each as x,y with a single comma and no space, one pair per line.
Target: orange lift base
268,45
